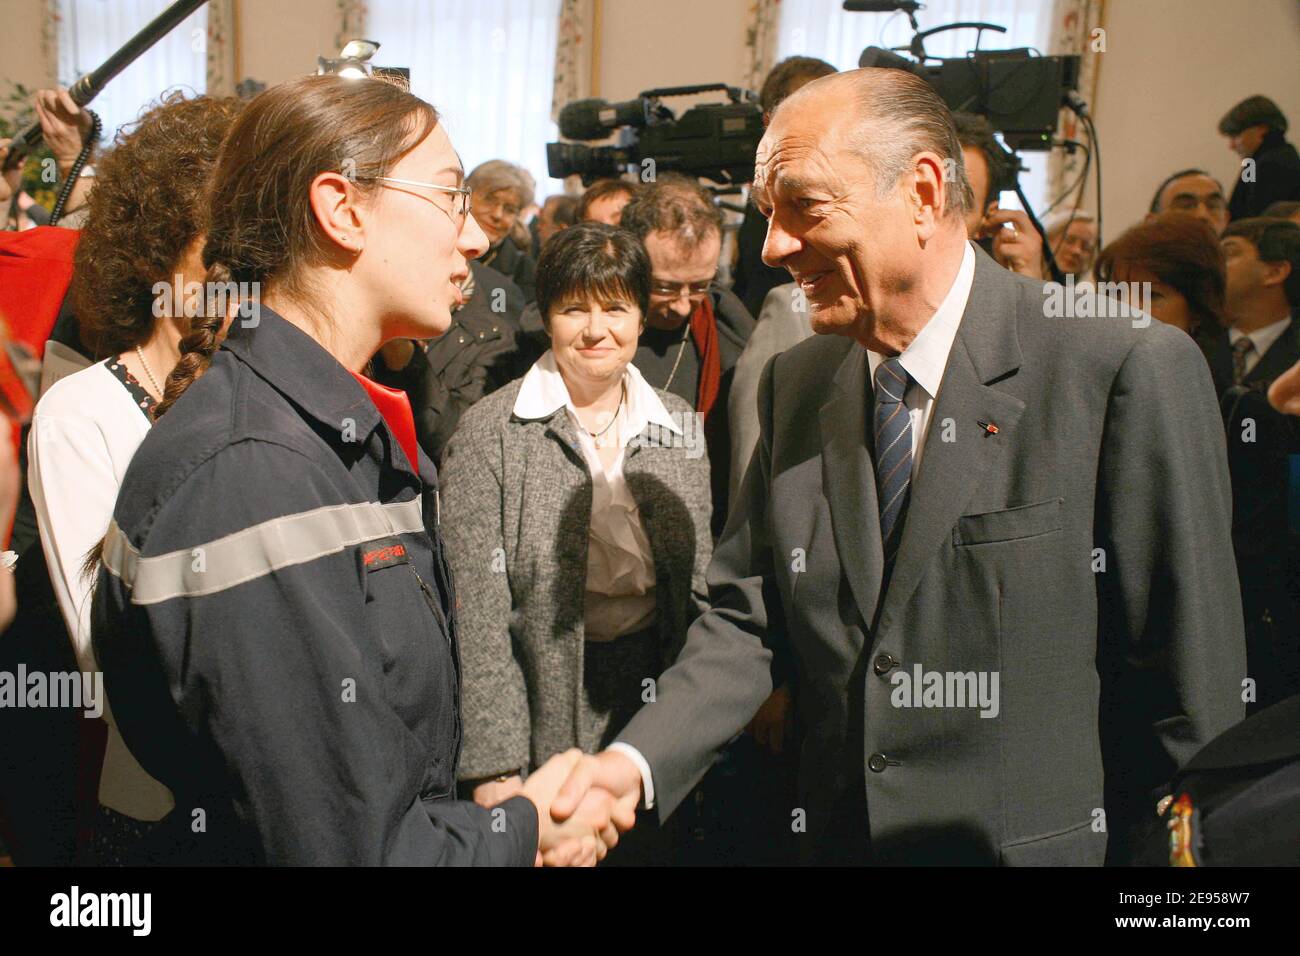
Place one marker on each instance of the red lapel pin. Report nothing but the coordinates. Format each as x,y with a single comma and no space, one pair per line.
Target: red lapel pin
988,427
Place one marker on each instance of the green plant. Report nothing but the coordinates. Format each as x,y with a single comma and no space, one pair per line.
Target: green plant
16,113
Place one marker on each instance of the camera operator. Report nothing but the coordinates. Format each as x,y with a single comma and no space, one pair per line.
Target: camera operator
603,201
1006,234
754,279
64,127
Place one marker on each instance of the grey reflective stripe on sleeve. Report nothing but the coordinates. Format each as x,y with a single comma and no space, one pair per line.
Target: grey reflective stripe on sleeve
255,551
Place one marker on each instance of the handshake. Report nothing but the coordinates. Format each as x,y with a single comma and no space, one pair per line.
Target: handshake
583,803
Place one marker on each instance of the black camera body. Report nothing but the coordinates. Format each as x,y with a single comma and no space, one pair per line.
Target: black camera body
1019,93
714,141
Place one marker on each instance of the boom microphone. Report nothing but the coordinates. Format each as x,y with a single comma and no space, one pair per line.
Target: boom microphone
882,6
90,85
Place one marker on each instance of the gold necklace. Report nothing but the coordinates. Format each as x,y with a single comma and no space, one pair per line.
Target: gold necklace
621,399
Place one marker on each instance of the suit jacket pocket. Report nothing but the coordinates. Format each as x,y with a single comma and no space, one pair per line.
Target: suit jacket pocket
1024,521
1078,845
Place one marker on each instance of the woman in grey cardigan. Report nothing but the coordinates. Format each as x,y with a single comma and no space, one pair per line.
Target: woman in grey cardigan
576,507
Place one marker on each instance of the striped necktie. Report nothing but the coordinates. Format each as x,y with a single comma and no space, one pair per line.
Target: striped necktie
893,452
1240,349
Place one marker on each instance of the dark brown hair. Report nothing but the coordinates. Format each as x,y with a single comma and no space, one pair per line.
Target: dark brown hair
602,188
785,74
261,228
1275,240
1181,251
592,259
146,209
674,204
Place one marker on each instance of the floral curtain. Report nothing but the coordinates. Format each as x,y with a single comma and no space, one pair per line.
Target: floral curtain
764,24
574,44
50,43
221,40
1076,28
352,22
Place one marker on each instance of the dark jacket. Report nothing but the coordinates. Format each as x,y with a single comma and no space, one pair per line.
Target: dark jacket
754,278
1262,443
275,616
473,358
515,264
1276,178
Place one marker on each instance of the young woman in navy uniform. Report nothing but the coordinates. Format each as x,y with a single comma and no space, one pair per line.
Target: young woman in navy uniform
274,614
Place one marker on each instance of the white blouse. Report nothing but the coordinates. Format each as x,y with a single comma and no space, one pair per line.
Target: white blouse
620,586
85,431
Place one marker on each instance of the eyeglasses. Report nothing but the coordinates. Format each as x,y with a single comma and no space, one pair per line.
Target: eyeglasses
673,290
461,204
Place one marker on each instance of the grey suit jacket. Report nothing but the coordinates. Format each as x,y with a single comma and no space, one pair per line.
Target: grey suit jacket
1107,438
516,512
779,327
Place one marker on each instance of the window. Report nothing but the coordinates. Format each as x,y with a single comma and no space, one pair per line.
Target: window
90,31
822,28
486,65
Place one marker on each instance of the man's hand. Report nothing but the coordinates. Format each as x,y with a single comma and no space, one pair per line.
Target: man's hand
586,833
601,788
1019,248
491,792
1284,393
772,725
64,126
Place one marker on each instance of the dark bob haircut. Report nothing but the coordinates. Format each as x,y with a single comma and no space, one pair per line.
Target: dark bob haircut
1182,252
591,260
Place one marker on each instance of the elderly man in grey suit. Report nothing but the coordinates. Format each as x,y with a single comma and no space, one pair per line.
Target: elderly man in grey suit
996,542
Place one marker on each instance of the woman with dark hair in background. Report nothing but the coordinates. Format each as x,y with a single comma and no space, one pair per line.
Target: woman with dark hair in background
577,507
274,612
1179,255
143,234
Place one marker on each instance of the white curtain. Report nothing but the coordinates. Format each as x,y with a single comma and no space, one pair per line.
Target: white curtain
822,28
487,65
89,31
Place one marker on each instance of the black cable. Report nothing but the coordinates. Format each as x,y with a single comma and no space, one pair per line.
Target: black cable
1069,190
1082,185
1096,146
1057,274
96,124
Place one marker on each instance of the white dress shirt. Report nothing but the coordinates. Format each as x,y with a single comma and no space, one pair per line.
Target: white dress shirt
925,360
1261,339
620,586
85,431
927,356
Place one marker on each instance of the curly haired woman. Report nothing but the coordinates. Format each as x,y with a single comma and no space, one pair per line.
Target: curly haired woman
144,233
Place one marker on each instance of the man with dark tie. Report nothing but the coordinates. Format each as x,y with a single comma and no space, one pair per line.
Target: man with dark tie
994,539
1261,342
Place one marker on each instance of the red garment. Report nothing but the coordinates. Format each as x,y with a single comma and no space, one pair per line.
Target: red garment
704,330
395,408
35,271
